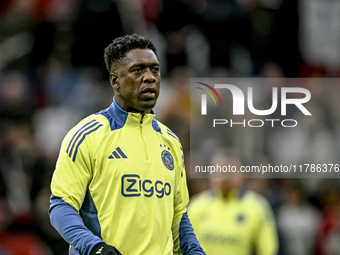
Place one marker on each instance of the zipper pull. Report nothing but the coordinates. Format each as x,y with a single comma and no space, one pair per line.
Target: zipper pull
141,120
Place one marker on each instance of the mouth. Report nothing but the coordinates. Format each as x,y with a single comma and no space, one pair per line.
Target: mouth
149,92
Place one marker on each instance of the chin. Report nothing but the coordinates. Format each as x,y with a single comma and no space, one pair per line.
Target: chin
148,106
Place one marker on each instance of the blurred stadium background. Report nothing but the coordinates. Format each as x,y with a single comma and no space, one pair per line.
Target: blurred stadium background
52,74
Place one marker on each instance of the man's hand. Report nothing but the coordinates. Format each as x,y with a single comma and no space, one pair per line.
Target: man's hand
104,249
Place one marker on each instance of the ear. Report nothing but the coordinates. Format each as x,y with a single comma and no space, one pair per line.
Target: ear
114,81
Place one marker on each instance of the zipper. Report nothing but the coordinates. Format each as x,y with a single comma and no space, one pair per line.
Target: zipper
142,138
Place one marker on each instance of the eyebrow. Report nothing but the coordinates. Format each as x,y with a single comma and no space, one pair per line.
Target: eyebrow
145,65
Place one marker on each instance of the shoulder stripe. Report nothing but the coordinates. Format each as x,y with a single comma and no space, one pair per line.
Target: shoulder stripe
82,139
77,133
172,134
81,133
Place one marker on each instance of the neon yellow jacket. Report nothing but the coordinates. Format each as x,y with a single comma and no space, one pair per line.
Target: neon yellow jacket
120,179
241,224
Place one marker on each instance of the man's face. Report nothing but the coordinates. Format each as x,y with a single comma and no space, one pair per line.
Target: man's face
137,81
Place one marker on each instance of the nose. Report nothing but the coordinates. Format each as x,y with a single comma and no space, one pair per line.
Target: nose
149,76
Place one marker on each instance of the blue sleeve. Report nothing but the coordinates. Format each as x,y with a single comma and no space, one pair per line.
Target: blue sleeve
66,220
188,241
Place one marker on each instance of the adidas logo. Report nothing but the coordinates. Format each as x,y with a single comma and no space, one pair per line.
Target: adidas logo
117,153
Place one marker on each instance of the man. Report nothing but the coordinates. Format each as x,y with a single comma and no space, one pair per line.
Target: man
120,186
231,220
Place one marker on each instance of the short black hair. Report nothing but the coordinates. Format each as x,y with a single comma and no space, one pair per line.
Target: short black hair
116,51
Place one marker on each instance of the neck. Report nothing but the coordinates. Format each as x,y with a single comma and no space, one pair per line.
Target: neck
227,194
129,109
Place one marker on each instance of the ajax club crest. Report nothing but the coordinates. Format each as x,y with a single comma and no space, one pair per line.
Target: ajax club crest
168,160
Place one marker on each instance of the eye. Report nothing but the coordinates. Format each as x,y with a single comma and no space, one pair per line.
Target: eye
137,69
155,69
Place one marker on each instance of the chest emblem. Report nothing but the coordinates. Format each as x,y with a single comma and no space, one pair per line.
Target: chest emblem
168,160
240,218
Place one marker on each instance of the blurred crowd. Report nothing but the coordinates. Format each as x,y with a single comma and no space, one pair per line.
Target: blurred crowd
52,74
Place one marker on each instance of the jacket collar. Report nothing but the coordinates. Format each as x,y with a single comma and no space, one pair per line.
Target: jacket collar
117,116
